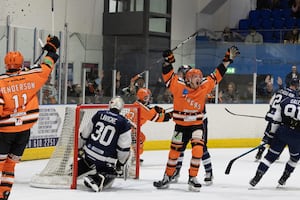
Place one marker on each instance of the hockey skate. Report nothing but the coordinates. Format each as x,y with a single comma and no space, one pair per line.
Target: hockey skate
194,185
283,178
176,176
164,183
256,179
208,178
95,182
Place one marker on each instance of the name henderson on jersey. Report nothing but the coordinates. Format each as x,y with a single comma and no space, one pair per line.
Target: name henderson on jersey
17,87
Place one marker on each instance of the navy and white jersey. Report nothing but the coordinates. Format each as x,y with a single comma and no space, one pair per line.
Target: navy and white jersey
288,113
108,138
276,99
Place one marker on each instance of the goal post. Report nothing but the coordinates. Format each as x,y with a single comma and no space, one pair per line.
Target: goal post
62,167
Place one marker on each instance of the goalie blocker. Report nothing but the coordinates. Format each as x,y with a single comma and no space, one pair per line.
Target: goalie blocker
61,170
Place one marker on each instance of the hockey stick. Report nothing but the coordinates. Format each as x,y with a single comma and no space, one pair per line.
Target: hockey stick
185,41
180,44
42,46
253,116
228,168
52,14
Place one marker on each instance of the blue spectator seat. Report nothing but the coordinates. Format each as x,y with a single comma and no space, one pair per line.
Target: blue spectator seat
244,24
256,23
278,23
287,13
298,22
277,14
254,15
279,35
202,38
265,14
290,22
267,24
268,36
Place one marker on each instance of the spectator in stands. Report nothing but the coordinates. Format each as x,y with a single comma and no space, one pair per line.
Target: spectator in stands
254,37
292,36
266,89
231,94
247,96
49,93
118,83
231,36
295,7
159,86
75,94
293,74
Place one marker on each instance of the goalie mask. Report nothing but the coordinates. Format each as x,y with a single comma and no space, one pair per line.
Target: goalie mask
13,61
193,78
116,103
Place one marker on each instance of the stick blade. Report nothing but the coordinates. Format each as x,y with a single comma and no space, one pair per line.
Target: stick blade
228,168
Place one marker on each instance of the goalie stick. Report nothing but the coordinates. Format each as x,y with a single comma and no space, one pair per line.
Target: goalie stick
228,168
241,115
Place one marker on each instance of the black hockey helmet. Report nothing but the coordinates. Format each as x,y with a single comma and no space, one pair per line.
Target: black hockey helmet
294,82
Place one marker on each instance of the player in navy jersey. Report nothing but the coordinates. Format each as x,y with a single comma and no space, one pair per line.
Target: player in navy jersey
106,142
285,131
291,91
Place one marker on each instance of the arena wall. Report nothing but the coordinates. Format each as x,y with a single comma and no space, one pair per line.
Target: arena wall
224,129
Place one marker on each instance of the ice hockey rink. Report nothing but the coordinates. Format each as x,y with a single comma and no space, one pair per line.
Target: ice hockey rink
234,186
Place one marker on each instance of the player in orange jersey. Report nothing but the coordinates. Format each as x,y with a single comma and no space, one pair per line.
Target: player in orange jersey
206,159
155,114
19,108
188,114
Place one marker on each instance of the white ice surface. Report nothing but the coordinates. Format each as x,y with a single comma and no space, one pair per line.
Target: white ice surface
234,186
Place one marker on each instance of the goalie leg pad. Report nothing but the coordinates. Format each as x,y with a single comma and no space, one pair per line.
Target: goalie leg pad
95,182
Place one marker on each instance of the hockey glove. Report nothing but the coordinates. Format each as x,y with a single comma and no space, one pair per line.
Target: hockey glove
168,116
268,137
122,169
159,109
231,53
168,56
52,44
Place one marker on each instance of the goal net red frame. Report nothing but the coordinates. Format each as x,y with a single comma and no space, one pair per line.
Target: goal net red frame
62,167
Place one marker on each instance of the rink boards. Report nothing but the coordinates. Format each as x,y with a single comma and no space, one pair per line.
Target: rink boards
224,129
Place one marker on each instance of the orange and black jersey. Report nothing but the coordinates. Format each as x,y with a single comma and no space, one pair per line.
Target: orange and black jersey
19,106
189,103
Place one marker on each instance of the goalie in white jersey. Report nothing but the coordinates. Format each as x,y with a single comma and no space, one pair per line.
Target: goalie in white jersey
106,146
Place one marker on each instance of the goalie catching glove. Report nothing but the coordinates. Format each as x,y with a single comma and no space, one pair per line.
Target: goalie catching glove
231,53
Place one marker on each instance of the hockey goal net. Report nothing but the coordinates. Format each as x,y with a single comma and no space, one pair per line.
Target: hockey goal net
61,169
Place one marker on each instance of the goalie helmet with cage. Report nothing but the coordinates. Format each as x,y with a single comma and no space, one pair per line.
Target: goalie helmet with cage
182,70
116,103
13,61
